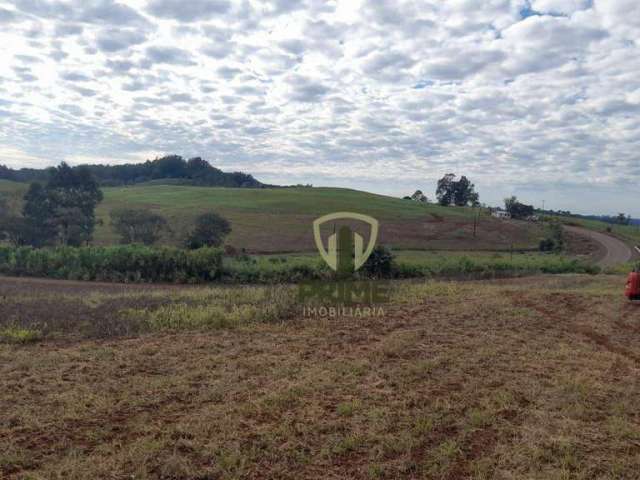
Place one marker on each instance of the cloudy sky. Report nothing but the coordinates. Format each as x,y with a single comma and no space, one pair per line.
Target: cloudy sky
539,98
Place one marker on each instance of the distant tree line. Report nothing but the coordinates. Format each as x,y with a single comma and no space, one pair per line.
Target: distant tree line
194,171
619,219
461,192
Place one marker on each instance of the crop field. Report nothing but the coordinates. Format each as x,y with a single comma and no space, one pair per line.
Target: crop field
531,378
280,219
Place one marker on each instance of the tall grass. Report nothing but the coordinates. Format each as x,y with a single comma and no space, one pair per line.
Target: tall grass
130,263
136,263
299,267
218,308
490,266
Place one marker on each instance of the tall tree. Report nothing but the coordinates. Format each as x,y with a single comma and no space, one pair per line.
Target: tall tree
509,202
418,196
18,230
38,214
64,209
456,192
74,195
445,190
464,193
517,209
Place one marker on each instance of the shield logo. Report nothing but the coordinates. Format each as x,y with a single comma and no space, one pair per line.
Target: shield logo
342,245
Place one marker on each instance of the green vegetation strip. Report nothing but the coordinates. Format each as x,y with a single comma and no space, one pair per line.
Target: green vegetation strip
140,264
130,263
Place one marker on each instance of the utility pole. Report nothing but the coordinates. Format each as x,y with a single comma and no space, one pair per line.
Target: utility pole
475,220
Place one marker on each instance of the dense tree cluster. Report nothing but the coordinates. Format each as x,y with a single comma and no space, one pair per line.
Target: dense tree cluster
194,171
418,196
623,219
456,192
517,209
60,212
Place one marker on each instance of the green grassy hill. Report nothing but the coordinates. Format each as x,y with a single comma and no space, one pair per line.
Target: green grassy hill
280,219
12,190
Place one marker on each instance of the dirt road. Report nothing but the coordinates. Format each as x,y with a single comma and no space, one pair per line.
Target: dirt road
615,251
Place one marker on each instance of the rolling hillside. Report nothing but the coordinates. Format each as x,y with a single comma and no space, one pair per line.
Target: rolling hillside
627,233
279,220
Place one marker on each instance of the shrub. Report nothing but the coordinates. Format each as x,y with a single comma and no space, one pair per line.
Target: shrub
555,241
209,231
137,225
379,264
547,245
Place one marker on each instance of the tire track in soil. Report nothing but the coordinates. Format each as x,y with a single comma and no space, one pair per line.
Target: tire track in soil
576,308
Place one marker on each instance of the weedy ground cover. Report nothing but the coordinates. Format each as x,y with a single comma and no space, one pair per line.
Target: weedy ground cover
516,378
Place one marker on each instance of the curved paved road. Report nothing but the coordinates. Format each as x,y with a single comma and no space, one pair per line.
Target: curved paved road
616,251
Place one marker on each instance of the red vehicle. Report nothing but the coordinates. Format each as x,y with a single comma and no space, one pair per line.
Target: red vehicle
633,285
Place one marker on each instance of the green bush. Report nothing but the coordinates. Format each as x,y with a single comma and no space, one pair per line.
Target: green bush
210,230
130,263
379,264
547,245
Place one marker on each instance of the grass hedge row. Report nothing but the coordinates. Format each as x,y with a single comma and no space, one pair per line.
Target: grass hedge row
126,263
135,263
298,268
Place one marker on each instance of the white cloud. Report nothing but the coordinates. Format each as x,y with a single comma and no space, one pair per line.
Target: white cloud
560,7
514,93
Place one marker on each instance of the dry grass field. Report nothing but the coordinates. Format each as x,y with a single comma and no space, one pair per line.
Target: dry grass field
532,378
